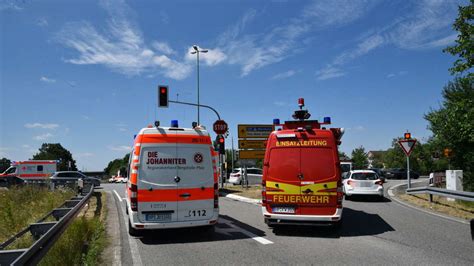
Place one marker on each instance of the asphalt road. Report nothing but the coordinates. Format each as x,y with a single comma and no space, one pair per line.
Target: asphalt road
373,232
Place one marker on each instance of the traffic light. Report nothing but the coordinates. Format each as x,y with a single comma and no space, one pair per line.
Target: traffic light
220,144
162,96
448,152
407,135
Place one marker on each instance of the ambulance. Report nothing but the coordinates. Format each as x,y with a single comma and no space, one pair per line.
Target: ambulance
33,170
301,181
172,179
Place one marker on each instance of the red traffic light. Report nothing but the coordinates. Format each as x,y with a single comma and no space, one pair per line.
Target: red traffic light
407,135
221,140
162,96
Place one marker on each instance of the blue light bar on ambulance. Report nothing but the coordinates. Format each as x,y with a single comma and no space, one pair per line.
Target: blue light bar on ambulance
327,120
174,123
276,121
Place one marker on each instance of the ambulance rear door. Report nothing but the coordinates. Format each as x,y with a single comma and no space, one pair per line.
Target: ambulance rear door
157,176
196,185
283,178
318,178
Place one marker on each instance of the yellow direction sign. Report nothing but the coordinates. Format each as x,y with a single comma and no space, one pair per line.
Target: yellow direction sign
255,131
251,154
253,144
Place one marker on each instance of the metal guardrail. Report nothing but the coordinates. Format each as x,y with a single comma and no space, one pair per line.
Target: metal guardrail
45,233
461,195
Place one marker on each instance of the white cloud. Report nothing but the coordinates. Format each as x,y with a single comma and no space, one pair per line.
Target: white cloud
43,136
42,22
427,26
120,148
47,80
163,47
10,5
254,51
400,73
26,146
211,58
41,125
120,46
85,117
284,75
329,72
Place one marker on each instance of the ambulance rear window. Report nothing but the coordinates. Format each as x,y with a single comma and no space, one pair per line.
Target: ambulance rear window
318,163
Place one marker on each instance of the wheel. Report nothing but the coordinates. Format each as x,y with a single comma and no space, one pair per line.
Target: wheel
132,231
126,209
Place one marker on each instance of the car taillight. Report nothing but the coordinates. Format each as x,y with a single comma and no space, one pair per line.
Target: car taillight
350,182
216,196
379,182
339,193
133,197
264,193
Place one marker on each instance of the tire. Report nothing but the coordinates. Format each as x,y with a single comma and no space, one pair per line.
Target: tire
132,231
126,208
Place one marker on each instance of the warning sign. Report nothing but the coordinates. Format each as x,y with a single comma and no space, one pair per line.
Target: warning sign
407,145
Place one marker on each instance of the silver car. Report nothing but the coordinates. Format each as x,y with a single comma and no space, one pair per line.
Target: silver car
362,182
254,176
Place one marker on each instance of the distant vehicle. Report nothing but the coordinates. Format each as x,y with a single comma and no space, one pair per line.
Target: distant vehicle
345,167
120,179
8,181
363,182
32,170
66,177
254,176
400,173
380,172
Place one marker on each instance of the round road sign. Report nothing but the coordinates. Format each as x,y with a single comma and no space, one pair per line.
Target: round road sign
220,127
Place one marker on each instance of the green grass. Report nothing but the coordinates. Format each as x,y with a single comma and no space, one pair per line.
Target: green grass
84,239
21,206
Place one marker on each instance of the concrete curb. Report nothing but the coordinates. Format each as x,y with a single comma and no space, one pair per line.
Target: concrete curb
405,204
242,199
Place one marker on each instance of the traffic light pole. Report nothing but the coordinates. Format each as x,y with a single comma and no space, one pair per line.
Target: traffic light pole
199,105
408,171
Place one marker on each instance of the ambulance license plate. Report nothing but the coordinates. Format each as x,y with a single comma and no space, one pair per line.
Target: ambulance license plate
283,210
158,217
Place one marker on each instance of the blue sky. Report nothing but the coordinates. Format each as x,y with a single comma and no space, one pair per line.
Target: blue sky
85,73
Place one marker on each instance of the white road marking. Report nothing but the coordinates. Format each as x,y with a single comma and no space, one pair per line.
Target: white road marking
132,242
118,197
235,228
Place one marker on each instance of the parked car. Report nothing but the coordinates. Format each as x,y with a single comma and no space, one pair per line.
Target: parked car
64,177
8,181
120,179
380,172
400,173
363,182
254,176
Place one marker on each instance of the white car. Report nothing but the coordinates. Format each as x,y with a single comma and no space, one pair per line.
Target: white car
120,179
254,176
362,182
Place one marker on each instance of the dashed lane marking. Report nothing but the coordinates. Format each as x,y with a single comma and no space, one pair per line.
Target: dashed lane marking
118,197
234,228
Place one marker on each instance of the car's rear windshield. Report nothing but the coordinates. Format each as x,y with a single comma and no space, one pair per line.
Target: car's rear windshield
364,176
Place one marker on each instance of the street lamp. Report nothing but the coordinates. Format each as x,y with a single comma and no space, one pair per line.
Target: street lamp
197,51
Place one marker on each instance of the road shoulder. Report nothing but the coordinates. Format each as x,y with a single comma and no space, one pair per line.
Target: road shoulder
397,189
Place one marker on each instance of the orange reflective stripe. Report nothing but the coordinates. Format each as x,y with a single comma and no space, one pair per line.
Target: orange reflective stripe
165,138
34,175
144,195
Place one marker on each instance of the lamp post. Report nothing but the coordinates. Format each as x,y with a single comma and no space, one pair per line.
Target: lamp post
196,51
